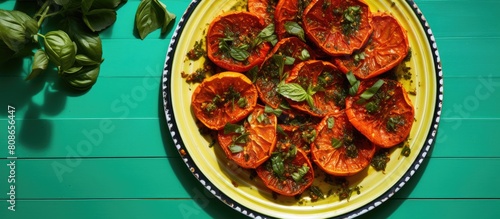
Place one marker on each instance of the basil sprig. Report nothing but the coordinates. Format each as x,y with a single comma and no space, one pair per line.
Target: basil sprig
150,16
75,48
296,92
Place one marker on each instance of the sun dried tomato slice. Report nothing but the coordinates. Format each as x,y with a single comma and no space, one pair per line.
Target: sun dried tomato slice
288,172
289,11
386,48
232,44
264,9
226,97
387,117
339,149
250,142
338,27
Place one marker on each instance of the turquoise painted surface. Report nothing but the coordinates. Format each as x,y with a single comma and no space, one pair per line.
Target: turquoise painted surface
107,153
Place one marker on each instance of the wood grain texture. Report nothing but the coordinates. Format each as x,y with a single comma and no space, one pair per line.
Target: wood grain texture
115,158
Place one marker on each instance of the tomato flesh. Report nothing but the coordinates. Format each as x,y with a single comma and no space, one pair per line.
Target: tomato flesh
326,25
387,117
386,48
339,149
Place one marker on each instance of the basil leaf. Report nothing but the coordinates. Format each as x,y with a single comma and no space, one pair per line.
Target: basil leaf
353,90
242,139
235,149
88,43
60,49
268,109
253,73
280,62
99,19
233,128
84,60
292,91
304,55
266,35
84,79
301,172
167,18
310,101
278,165
351,78
17,29
292,152
238,54
289,60
336,143
368,93
330,122
293,28
73,70
151,15
266,32
40,63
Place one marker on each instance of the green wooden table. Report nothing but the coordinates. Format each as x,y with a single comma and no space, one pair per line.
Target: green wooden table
107,153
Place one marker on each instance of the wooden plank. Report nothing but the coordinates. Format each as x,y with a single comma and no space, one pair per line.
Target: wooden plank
436,208
105,138
457,139
92,138
74,177
471,97
212,208
156,178
461,19
454,178
477,50
121,208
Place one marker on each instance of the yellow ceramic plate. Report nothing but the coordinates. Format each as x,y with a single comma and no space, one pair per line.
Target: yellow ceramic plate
235,187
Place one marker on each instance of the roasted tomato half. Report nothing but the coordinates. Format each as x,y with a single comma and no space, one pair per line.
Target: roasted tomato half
386,48
338,27
264,9
250,142
226,97
339,149
384,116
288,172
231,41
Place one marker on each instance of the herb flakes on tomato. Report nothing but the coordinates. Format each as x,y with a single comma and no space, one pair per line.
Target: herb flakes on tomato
387,117
338,27
249,143
288,172
226,97
339,149
231,41
387,47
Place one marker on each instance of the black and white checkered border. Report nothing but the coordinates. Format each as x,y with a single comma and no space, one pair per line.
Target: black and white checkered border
174,132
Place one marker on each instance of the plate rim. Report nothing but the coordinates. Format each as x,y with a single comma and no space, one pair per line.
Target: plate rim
234,204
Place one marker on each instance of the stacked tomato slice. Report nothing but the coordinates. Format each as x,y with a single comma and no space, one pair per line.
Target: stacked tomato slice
304,82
